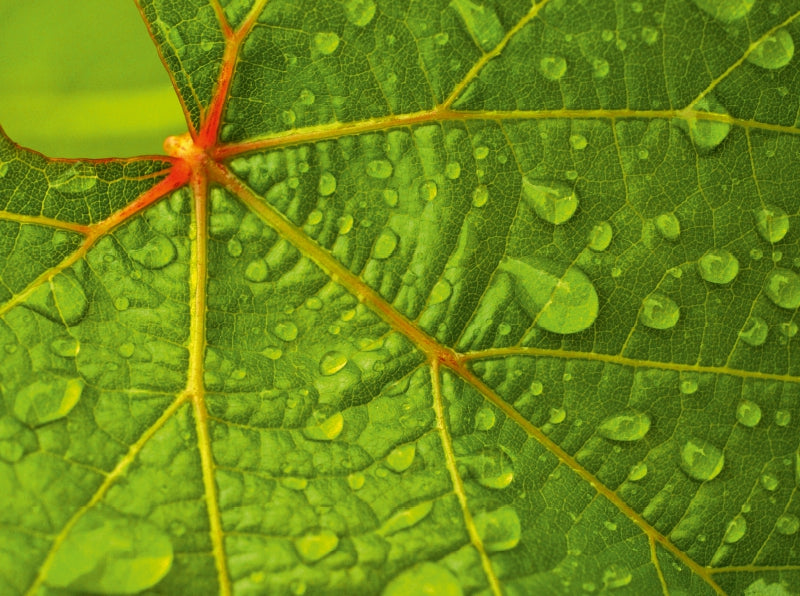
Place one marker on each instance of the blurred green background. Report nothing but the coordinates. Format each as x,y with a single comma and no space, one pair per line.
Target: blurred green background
81,78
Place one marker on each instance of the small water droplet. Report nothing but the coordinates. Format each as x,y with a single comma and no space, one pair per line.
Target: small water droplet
578,142
630,426
772,223
257,271
481,152
158,252
452,170
755,331
356,480
480,195
288,117
769,482
331,363
428,190
126,349
327,184
484,419
748,413
557,415
493,468
701,460
326,42
285,330
554,202
707,134
401,458
718,266
66,347
783,417
294,483
659,311
668,226
788,330
73,181
121,303
385,245
380,169
314,217
536,388
637,472
782,286
313,547
234,247
600,237
600,68
688,384
499,530
553,68
787,524
63,300
441,38
649,35
616,576
775,51
327,430
736,529
307,97
726,10
359,12
313,303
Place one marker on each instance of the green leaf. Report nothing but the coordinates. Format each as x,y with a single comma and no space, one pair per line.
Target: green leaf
453,297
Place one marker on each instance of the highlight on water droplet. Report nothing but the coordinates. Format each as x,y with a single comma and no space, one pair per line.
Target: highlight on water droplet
755,331
46,399
400,458
775,51
326,42
736,529
380,169
659,311
701,460
772,223
424,578
553,67
629,426
499,530
565,303
600,237
726,10
327,430
668,226
315,546
748,413
718,266
554,202
782,286
706,133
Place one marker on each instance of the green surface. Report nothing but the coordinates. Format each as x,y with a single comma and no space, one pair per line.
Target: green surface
605,240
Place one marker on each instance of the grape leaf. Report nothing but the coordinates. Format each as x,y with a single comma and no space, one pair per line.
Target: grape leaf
452,297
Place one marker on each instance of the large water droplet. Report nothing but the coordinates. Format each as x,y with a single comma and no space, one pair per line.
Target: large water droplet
718,266
331,363
313,547
492,467
736,530
62,300
659,311
106,553
553,67
787,524
701,460
285,330
668,226
385,245
47,399
380,168
401,458
424,579
748,413
500,529
327,430
755,331
707,134
326,42
560,304
772,223
776,51
327,184
600,237
726,10
406,518
156,253
630,426
554,202
783,288
359,12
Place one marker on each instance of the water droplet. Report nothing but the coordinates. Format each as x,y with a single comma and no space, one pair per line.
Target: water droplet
718,266
493,468
257,271
307,97
503,329
294,483
659,311
707,134
3,169
126,349
736,529
332,362
776,51
385,245
313,303
637,472
481,152
560,304
63,300
783,417
107,553
480,195
424,578
748,413
536,388
787,524
557,415
788,330
326,42
616,576
401,458
66,347
553,202
755,331
288,117
484,419
688,386
355,480
600,237
726,10
630,426
121,303
668,226
327,184
769,482
499,530
649,35
441,38
359,12
578,142
47,399
313,547
380,168
600,68
701,460
158,252
783,288
772,223
428,190
74,182
553,67
285,330
452,170
327,430
314,217
234,247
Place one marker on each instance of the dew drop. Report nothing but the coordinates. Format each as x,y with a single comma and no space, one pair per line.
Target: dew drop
776,51
285,331
748,413
769,482
554,202
481,152
616,576
314,303
659,311
356,480
630,426
755,331
787,524
452,170
484,419
600,68
327,184
772,223
782,286
726,10
385,245
326,42
718,266
327,430
257,271
788,330
234,248
637,472
688,384
480,195
557,415
359,12
428,190
441,38
668,226
560,304
649,35
707,134
701,460
73,182
424,578
578,142
294,483
440,292
66,347
157,253
600,237
314,217
313,547
391,197
536,388
121,303
783,417
47,399
736,530
493,468
63,300
401,458
553,68
499,530
331,363
380,168
126,349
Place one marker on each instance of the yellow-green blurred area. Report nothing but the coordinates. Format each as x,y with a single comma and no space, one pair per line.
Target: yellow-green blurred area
82,78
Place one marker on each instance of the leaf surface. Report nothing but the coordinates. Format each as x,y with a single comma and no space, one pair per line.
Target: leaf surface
434,297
